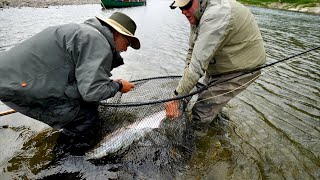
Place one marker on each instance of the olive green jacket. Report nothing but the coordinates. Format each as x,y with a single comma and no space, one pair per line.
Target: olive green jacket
227,39
49,75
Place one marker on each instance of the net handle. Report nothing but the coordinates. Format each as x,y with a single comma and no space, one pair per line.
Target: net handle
202,88
159,77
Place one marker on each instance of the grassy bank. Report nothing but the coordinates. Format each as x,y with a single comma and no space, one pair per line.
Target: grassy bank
266,3
309,6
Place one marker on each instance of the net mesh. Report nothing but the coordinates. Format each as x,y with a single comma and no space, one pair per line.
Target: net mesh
147,91
147,98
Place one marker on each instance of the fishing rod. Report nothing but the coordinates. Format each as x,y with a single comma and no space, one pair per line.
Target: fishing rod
254,70
7,112
271,64
265,66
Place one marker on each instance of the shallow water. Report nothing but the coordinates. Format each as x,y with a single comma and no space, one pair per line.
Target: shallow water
271,130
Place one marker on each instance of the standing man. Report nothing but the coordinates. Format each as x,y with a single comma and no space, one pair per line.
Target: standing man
59,75
224,42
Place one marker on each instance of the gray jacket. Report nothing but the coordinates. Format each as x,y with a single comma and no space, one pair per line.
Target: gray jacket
48,75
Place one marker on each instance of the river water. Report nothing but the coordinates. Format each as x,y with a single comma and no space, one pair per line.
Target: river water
270,131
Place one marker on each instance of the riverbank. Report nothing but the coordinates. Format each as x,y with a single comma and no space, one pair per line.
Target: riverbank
43,3
313,8
299,8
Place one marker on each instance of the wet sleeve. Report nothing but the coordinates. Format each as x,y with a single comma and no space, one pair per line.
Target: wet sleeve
93,67
211,33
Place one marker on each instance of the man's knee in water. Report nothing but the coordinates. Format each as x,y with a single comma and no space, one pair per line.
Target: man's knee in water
203,117
85,120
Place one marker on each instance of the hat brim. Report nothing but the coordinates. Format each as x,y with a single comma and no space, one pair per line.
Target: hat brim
179,3
135,43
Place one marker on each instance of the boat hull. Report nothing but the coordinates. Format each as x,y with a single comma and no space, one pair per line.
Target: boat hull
115,4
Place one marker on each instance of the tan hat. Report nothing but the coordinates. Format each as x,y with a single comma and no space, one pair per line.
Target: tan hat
124,25
179,3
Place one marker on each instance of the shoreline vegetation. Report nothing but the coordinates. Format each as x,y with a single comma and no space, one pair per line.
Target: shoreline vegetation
307,6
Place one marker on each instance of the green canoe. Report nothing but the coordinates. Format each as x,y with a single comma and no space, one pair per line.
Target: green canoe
122,3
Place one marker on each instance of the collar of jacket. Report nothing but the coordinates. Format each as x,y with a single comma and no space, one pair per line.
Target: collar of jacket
200,11
106,32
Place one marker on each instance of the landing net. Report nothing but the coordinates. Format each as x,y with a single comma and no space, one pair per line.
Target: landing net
132,110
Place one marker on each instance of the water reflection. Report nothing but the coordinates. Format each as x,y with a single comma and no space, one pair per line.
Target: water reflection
271,130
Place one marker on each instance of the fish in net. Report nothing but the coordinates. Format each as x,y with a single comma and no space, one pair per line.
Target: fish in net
137,120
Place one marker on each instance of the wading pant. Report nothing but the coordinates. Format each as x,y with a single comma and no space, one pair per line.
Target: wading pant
210,102
86,118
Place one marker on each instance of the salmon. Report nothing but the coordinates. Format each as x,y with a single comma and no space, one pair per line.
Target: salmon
125,136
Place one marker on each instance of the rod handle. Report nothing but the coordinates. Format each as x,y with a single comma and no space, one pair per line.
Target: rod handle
7,112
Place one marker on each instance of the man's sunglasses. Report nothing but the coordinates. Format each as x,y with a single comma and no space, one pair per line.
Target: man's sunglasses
186,7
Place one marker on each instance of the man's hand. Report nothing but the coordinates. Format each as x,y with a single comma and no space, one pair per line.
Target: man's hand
126,85
172,109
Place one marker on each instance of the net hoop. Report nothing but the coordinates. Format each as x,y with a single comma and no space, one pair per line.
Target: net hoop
130,104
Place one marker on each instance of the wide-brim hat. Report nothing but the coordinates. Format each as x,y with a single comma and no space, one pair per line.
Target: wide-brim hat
179,3
124,25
